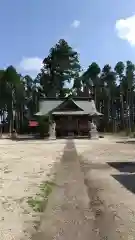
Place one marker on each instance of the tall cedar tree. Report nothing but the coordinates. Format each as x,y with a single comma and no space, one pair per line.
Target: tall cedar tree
59,68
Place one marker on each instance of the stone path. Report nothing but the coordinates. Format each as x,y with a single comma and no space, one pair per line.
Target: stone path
88,202
68,215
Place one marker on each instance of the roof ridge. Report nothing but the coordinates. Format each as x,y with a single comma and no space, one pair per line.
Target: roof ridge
66,98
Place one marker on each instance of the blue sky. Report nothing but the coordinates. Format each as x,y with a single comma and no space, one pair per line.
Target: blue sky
101,30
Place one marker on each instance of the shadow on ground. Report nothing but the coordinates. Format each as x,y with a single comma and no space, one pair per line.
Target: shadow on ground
126,142
127,180
24,138
27,138
125,167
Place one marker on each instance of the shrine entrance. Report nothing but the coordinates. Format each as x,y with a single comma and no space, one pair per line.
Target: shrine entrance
72,126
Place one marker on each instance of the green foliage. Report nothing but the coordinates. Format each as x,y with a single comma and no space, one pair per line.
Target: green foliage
38,203
61,66
25,126
43,125
112,89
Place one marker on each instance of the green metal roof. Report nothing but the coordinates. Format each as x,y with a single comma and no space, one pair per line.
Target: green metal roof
46,106
86,107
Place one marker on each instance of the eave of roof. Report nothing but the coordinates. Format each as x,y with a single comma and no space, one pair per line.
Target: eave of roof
86,106
65,98
69,113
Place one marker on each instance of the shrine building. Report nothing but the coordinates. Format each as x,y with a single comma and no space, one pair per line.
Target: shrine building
70,115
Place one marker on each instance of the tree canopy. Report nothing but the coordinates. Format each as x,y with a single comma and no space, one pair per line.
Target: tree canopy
112,88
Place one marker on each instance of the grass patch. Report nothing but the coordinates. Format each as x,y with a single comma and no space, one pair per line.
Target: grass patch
38,203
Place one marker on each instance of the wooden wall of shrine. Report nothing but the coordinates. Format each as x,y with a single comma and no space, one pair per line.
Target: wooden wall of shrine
72,125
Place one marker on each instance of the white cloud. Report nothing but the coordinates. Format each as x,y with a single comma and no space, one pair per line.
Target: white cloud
126,29
75,24
30,64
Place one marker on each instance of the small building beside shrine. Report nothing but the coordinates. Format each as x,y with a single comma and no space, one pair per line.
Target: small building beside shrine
69,116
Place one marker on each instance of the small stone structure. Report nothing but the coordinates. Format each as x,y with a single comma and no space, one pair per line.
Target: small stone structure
14,135
52,130
93,133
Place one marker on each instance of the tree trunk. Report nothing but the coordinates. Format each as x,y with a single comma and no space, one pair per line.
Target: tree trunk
128,113
122,111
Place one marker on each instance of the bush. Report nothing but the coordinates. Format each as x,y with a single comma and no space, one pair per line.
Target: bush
43,126
24,127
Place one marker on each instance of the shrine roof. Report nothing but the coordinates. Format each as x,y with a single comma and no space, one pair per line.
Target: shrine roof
85,106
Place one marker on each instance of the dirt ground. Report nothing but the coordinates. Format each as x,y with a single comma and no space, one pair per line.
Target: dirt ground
23,167
109,174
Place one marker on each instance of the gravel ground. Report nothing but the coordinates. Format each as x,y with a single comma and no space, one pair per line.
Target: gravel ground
109,173
24,166
109,177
